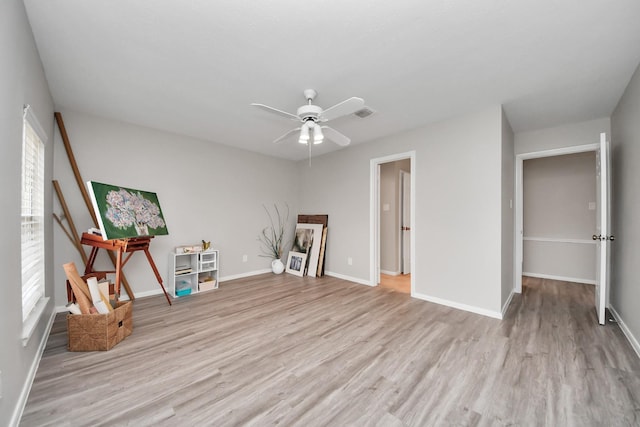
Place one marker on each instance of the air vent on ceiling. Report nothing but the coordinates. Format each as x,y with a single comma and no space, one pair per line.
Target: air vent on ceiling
364,112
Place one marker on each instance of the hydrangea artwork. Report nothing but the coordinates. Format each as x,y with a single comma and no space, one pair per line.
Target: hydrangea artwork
125,212
126,209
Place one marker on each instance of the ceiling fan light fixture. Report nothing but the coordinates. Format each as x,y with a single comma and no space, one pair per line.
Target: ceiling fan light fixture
304,134
312,118
318,136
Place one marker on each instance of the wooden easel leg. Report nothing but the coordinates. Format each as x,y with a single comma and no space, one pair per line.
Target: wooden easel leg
117,261
118,273
85,194
155,271
67,214
89,263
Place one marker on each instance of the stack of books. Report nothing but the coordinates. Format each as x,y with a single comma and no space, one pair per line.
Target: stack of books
183,269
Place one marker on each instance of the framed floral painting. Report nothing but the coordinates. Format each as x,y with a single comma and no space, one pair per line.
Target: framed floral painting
125,213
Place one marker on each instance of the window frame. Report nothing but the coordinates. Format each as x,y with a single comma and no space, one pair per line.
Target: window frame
32,223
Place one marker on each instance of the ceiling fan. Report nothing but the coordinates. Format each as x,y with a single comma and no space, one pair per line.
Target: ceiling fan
312,118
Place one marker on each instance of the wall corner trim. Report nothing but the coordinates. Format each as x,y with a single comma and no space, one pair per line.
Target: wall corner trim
626,331
349,278
456,305
31,375
507,303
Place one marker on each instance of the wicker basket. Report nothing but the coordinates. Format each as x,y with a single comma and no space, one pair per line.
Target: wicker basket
91,332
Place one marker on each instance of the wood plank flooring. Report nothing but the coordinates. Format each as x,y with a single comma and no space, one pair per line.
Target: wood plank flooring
289,351
399,283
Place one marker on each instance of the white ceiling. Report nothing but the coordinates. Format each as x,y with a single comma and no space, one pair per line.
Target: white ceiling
193,67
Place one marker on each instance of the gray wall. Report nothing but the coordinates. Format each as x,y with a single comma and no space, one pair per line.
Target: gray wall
206,191
558,223
390,220
22,81
458,174
625,291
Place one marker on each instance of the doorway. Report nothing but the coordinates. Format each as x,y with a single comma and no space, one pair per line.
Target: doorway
393,222
401,283
520,238
559,212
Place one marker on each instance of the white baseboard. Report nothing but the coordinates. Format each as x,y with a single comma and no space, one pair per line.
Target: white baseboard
562,278
452,304
124,297
220,280
158,291
390,273
61,309
472,309
625,330
31,375
243,275
349,278
505,306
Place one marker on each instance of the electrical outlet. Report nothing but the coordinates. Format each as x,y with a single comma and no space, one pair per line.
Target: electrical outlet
245,258
350,261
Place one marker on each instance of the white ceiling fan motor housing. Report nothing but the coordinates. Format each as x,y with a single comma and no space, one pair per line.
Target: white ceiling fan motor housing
309,112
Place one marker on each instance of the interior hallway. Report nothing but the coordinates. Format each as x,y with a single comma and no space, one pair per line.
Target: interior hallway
400,283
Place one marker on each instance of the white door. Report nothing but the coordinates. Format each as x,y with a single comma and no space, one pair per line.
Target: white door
406,222
602,237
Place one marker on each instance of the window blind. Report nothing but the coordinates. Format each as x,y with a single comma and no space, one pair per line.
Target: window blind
32,214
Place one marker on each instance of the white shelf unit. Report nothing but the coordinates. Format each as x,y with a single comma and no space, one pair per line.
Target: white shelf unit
193,272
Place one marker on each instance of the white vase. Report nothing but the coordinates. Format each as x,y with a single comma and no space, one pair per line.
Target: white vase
277,266
142,229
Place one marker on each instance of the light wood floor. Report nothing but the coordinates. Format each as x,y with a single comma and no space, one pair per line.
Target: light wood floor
399,283
324,352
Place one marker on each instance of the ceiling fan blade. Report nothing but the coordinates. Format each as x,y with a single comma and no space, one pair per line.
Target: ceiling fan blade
276,111
344,108
286,135
335,136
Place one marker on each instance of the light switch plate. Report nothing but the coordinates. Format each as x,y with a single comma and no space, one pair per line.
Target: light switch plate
592,206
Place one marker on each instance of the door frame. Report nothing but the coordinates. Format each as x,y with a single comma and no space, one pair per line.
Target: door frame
519,214
401,199
374,215
603,227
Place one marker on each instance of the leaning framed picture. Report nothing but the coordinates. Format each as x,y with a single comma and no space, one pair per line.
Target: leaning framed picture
308,239
296,262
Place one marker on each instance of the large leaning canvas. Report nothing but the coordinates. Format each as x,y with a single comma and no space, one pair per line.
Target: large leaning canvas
308,239
125,212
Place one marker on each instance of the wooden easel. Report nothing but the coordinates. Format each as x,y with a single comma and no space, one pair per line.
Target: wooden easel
120,247
87,201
